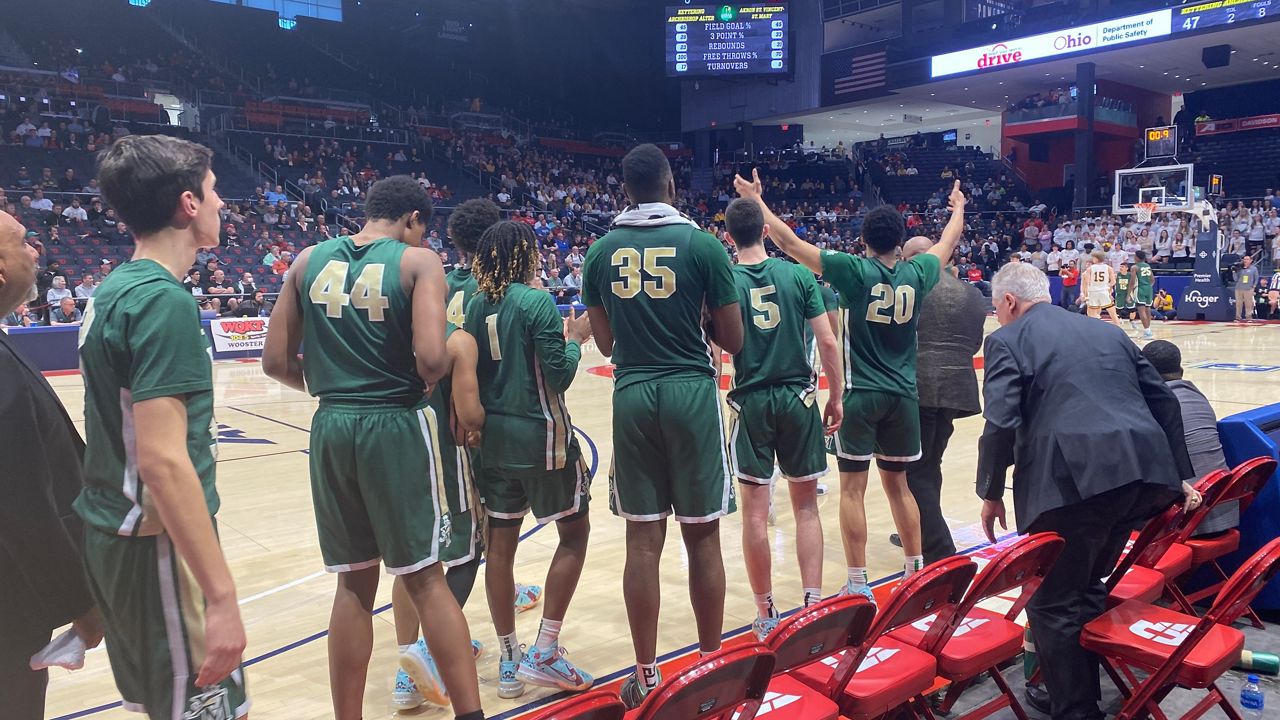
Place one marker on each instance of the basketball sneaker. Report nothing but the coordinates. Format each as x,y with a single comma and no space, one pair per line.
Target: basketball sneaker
763,626
550,668
509,683
863,590
421,667
527,597
405,695
1147,334
633,692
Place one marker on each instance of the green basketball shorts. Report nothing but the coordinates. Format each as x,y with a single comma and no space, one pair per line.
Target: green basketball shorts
462,526
881,425
776,422
377,487
508,494
154,616
1146,296
669,451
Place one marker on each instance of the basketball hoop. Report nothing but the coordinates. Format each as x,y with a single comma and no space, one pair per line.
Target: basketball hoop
1142,211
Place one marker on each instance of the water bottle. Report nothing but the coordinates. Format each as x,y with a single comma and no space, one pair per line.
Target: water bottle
1251,699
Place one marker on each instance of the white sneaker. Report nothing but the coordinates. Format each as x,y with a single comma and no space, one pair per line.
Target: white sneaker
420,666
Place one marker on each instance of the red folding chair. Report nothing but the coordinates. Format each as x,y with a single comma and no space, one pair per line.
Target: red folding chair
595,705
978,640
1138,576
810,635
727,684
1243,484
885,674
1176,649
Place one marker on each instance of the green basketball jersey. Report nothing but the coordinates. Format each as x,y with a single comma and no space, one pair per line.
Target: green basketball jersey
777,298
460,285
879,310
140,340
1146,278
524,368
358,324
654,282
1122,289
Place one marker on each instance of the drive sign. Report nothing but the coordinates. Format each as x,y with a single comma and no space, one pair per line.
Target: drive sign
1052,44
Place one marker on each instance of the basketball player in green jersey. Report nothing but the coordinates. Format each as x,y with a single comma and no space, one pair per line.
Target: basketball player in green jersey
647,284
775,418
1144,291
530,459
370,308
1124,294
879,299
167,598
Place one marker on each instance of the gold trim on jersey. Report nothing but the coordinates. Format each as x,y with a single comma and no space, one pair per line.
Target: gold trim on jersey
558,424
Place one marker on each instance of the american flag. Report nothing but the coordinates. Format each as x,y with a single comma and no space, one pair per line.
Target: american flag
865,72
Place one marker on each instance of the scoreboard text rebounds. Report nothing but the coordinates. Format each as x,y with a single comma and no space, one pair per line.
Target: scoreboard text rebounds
731,39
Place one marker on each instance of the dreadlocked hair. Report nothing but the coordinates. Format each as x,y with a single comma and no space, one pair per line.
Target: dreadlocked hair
507,253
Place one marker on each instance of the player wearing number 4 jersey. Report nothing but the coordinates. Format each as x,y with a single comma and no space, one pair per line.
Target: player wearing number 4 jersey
647,284
775,416
879,299
371,310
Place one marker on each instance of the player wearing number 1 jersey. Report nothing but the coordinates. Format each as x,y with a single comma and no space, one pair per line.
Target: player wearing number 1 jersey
371,310
646,285
879,299
774,395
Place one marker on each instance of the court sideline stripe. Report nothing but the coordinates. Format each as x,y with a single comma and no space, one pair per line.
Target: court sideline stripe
595,463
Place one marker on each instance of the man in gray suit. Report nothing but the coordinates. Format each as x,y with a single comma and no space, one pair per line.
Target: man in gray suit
949,334
1096,440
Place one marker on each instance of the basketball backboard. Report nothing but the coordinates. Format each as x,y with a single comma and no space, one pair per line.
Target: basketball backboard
1169,186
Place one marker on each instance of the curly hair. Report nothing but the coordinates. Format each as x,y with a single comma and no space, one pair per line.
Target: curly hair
468,222
507,253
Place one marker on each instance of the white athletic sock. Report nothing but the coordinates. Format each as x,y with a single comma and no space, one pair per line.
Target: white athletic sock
764,605
647,674
548,634
406,648
509,647
704,653
812,596
857,576
913,565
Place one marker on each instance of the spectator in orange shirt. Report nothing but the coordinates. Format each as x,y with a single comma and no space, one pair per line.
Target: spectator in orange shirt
281,265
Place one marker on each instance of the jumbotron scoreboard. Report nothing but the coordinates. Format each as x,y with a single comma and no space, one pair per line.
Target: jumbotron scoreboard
727,39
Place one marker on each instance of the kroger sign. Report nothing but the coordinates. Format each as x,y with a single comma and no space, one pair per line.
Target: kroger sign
1062,42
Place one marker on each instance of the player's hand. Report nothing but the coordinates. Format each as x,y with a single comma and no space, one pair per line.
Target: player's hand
89,627
751,189
957,199
224,642
832,415
1191,498
473,438
993,510
577,327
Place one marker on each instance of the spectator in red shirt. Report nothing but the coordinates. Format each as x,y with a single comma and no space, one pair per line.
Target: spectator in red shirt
1070,285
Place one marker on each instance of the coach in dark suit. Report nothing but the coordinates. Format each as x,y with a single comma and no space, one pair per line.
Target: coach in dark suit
1095,438
949,335
41,574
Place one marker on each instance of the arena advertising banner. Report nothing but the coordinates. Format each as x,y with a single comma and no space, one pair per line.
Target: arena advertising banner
238,334
1094,36
1257,122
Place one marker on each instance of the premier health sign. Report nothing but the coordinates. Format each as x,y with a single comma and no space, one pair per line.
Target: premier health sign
1053,44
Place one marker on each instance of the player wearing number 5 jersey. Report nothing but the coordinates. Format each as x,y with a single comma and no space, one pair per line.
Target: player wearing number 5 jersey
879,299
371,310
647,284
774,395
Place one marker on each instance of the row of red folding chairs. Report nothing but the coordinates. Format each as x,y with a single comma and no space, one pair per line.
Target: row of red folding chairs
842,659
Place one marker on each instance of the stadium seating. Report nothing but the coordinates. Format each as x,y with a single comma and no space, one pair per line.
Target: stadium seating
725,685
1136,576
811,635
595,705
1236,156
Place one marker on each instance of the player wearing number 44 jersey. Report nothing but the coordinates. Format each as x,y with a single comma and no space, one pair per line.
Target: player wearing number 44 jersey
879,299
371,310
775,418
647,284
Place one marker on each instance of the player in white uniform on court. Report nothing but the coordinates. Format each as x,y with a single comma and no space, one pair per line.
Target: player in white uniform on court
1099,288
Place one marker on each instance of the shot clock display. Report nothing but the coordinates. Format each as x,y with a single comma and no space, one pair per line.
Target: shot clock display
727,39
1162,141
1222,12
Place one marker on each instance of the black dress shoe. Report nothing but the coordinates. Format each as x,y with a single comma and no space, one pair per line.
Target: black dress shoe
1038,698
894,540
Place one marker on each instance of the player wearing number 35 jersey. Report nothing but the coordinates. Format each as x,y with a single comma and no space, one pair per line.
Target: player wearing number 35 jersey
371,310
647,285
879,300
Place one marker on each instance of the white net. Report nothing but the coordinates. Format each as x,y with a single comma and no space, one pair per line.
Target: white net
1143,211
